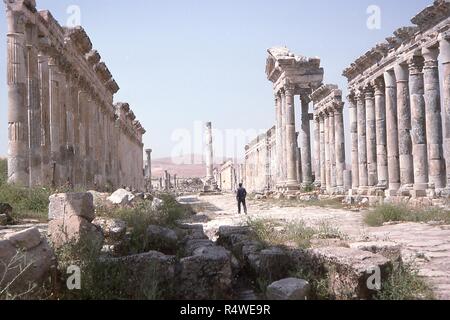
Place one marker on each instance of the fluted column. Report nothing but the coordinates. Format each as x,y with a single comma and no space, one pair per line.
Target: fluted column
392,132
55,121
418,123
291,135
306,143
317,147
327,151
283,138
404,126
445,59
340,144
44,88
332,144
279,137
18,147
34,107
323,170
371,136
436,163
380,116
354,137
362,140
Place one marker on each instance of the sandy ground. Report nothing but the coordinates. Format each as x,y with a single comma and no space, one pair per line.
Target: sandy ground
427,245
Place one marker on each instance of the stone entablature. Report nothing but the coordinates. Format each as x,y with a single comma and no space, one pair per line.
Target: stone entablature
63,126
329,138
399,132
292,75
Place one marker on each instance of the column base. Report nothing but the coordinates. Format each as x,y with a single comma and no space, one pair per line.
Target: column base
405,190
363,191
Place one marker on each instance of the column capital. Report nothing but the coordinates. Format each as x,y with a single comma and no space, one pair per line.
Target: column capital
368,91
338,107
289,89
401,72
416,64
380,88
389,79
430,56
360,95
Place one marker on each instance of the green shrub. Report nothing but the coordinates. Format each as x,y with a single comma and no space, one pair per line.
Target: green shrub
31,203
397,213
3,171
405,284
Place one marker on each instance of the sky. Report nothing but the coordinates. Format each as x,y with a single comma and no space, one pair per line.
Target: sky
181,63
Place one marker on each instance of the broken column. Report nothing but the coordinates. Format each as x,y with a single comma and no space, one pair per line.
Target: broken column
209,183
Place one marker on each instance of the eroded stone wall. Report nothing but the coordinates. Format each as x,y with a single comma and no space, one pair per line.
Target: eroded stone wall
63,126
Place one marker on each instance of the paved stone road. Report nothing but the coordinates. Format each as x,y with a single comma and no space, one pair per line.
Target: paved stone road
428,245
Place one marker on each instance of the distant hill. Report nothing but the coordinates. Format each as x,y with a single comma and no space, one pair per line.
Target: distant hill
192,166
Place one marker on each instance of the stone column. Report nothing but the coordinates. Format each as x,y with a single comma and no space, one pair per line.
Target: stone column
306,143
148,152
291,135
327,152
404,127
445,59
44,87
323,170
209,152
380,116
392,132
18,147
371,136
317,151
55,122
34,107
340,144
436,162
279,137
362,140
354,137
332,144
418,123
283,139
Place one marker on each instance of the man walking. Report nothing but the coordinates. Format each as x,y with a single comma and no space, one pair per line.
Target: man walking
241,197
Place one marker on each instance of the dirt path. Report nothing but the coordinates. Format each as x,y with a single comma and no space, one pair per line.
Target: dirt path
427,245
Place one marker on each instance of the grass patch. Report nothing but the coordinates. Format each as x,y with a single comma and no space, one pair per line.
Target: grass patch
397,213
405,284
320,289
102,279
271,232
142,215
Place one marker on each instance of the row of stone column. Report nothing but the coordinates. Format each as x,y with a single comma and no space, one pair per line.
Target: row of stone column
329,149
60,131
397,127
289,159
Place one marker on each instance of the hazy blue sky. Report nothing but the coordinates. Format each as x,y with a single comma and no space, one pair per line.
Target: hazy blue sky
183,61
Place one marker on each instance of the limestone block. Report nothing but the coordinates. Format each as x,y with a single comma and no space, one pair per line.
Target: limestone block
387,249
121,197
162,239
206,275
30,260
348,270
159,271
26,239
65,205
289,289
73,230
113,229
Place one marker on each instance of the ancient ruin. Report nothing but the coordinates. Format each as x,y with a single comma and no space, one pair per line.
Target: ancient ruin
395,108
329,139
63,126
